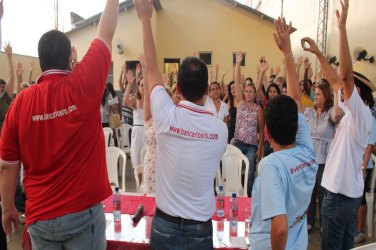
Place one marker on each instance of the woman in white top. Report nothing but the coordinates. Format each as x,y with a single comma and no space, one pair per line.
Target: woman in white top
136,102
214,104
150,162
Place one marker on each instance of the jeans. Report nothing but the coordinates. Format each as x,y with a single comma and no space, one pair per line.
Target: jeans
339,221
319,192
81,230
250,152
172,236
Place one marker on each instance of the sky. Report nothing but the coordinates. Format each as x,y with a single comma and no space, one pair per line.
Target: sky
25,21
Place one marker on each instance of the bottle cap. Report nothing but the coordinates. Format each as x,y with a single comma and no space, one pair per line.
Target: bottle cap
233,195
116,189
220,187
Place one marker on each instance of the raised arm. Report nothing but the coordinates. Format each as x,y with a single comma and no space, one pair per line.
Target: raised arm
329,72
223,85
216,72
108,21
31,70
10,81
122,78
307,66
263,67
127,100
147,110
144,11
345,69
74,58
19,72
337,113
238,88
282,39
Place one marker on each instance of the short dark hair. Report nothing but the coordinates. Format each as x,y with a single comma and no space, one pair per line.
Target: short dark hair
2,82
249,78
281,117
54,50
193,79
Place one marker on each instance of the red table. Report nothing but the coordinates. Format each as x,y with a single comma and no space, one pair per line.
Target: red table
138,236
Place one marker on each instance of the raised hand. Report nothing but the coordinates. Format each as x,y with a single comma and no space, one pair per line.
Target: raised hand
277,70
31,65
74,54
307,64
312,46
123,69
130,76
224,74
211,75
300,61
271,71
138,70
263,65
217,67
142,59
341,18
166,78
144,9
8,49
19,69
239,58
282,35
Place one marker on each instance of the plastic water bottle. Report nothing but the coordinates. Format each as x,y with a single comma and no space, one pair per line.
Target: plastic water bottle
117,210
233,214
220,202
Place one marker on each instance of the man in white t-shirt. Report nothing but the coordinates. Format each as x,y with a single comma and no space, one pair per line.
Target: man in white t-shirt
343,178
190,145
282,190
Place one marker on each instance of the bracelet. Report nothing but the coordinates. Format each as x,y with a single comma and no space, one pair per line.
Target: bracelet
288,58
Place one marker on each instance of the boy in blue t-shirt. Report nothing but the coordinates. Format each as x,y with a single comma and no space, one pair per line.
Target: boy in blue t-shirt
283,188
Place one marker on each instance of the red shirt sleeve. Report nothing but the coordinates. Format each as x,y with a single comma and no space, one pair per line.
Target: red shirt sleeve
89,78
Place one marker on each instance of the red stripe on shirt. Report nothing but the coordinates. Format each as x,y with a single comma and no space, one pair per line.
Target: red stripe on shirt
194,110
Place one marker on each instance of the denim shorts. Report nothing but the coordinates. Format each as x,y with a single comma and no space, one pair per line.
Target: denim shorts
81,230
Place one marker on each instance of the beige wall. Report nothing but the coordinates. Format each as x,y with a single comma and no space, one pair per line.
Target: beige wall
186,26
217,26
25,60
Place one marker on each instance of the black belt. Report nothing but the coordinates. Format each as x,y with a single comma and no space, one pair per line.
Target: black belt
178,220
138,125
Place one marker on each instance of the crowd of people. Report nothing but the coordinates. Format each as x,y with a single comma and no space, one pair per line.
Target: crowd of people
312,139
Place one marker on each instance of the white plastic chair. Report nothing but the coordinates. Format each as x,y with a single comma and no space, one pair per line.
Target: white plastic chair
113,155
371,246
125,139
218,178
232,162
370,201
140,169
107,136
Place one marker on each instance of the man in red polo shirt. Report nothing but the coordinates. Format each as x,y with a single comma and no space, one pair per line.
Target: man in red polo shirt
54,129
